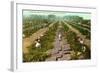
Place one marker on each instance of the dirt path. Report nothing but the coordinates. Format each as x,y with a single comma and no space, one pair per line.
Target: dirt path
29,40
61,49
86,41
85,25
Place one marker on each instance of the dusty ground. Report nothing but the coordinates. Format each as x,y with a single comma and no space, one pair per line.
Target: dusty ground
29,40
61,50
86,41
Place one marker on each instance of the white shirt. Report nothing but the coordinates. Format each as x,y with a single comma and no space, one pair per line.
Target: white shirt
37,45
81,42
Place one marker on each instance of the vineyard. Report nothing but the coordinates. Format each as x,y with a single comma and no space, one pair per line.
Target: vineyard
49,38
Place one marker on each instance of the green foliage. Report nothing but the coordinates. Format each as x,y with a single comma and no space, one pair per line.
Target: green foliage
83,25
73,18
75,45
33,23
86,22
83,31
34,56
65,27
39,54
72,40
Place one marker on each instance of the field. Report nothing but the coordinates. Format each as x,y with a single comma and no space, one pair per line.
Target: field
56,36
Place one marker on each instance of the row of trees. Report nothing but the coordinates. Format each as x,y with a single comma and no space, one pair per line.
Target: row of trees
75,45
35,22
40,53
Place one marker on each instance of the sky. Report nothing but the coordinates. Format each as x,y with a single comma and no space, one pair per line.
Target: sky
81,14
